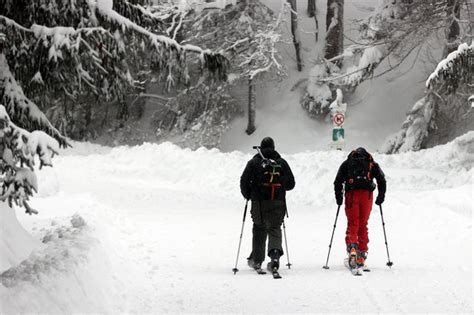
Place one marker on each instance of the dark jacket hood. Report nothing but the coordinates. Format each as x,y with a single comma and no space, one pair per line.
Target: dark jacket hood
358,153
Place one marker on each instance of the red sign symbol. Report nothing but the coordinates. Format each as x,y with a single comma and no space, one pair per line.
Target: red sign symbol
338,119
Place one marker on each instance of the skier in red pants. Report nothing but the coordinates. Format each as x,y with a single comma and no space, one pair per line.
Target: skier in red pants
356,176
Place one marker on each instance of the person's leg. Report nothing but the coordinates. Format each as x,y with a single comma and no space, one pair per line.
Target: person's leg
365,205
259,234
352,213
274,221
273,217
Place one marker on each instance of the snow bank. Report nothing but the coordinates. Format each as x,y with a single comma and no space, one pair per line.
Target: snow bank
16,242
213,173
69,274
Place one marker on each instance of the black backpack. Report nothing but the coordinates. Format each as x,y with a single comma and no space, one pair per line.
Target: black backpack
359,169
269,177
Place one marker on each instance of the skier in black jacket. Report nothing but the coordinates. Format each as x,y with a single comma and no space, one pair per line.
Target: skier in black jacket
265,182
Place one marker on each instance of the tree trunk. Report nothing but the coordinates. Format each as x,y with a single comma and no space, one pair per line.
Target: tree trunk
453,12
312,14
296,34
334,30
251,124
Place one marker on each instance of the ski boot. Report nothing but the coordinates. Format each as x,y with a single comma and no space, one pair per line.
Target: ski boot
352,252
255,266
361,257
252,264
274,263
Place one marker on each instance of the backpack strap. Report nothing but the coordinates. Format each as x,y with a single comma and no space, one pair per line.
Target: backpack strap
371,165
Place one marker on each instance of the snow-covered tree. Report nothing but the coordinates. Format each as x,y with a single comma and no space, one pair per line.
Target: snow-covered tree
55,54
396,29
20,150
65,53
445,109
252,33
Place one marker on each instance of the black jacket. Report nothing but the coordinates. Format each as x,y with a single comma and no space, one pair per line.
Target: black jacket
342,176
248,181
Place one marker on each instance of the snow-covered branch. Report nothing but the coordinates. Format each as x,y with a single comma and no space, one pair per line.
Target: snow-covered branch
20,147
105,8
21,108
459,61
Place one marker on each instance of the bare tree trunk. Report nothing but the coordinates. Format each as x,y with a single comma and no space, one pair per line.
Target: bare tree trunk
453,12
312,14
334,30
296,34
251,124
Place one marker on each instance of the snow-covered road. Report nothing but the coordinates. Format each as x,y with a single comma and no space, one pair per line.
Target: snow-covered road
163,226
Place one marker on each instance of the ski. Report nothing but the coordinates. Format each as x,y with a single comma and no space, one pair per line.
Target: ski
274,271
355,271
260,271
256,267
276,274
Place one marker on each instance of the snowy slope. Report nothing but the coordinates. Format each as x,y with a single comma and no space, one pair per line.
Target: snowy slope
375,111
162,225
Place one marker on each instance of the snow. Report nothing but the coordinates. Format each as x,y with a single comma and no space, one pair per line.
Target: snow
447,62
15,242
318,90
17,101
154,229
369,58
105,7
37,78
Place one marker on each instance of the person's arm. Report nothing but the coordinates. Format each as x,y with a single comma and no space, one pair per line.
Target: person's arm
246,181
339,181
381,184
289,177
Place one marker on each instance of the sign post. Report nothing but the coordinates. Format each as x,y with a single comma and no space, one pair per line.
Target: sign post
338,111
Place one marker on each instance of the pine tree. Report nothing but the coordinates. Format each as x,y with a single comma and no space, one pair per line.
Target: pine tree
67,53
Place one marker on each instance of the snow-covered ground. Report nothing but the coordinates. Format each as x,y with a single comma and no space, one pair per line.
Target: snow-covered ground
161,227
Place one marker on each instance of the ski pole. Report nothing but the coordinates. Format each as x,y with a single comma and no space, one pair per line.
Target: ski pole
286,245
332,236
389,263
235,270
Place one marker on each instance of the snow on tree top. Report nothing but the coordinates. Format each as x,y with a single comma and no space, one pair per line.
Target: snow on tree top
447,62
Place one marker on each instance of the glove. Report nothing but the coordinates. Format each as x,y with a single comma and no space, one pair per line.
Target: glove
339,200
380,199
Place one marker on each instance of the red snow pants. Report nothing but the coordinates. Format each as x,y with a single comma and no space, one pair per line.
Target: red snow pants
358,207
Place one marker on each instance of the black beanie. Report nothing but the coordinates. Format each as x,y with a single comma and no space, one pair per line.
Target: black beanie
267,142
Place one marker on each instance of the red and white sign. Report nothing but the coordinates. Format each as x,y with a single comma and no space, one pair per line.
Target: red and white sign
338,119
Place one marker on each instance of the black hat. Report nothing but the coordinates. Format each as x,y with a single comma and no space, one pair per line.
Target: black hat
267,142
361,151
